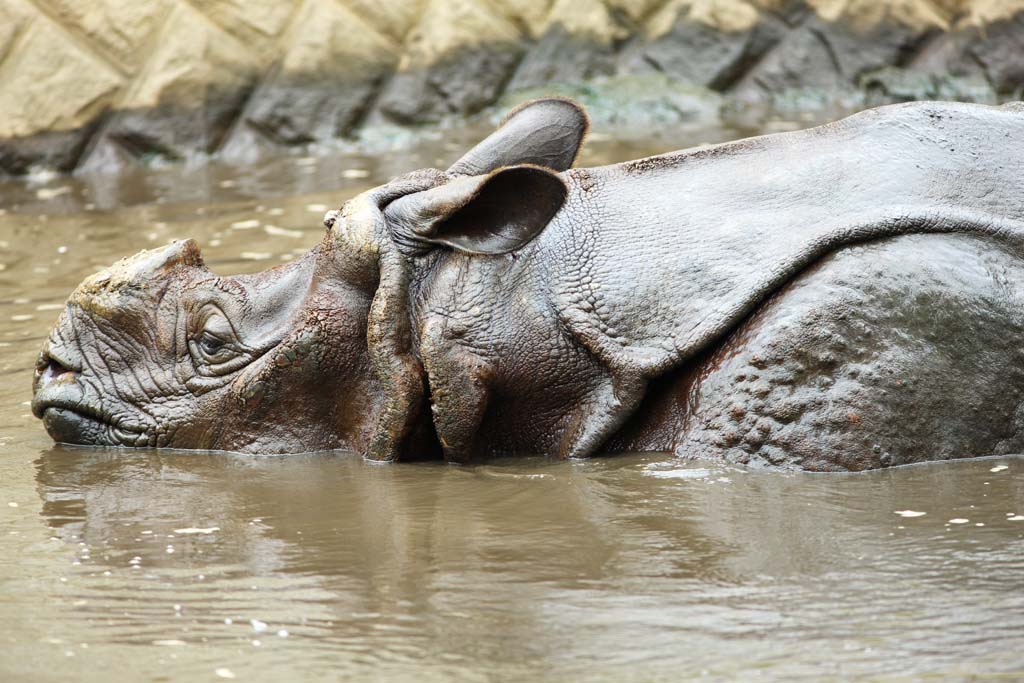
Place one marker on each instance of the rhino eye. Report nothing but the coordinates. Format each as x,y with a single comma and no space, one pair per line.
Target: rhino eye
213,345
214,353
210,345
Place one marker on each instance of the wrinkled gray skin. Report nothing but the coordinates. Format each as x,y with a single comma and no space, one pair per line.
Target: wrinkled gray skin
842,298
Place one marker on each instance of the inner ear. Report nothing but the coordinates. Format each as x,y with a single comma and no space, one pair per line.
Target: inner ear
500,214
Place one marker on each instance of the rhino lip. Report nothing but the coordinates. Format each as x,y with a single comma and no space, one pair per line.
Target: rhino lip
81,412
40,407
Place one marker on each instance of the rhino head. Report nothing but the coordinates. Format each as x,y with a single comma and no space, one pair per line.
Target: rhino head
157,351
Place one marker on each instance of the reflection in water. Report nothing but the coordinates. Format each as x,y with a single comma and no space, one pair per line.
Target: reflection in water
620,565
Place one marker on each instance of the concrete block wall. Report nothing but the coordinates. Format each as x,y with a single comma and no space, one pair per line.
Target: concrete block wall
100,84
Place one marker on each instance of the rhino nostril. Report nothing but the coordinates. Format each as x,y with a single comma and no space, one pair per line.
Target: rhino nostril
50,369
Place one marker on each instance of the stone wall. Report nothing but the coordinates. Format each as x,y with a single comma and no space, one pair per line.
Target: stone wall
88,84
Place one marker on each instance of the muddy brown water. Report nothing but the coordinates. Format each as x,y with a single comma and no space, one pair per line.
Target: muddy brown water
159,566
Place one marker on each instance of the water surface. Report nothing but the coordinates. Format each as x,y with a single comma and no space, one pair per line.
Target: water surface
160,566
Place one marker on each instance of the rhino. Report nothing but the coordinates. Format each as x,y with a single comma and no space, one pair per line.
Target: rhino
841,298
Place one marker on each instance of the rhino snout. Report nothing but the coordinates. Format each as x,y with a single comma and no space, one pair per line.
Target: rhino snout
59,400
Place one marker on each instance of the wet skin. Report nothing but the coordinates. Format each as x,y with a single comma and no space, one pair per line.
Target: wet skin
846,297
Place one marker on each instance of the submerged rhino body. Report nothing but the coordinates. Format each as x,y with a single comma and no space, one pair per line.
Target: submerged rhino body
841,298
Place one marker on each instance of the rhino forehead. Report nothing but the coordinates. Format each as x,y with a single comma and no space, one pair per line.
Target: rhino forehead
112,289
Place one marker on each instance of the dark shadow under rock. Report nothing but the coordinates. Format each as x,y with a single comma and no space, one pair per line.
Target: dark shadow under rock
999,49
57,150
165,132
282,114
828,58
559,57
696,53
460,84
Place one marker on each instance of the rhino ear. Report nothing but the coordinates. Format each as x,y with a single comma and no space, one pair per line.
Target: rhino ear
547,132
492,214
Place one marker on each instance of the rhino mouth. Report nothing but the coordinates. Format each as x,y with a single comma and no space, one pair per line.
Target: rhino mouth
79,424
67,417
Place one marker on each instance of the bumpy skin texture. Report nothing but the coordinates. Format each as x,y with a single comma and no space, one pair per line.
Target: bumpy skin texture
774,300
887,353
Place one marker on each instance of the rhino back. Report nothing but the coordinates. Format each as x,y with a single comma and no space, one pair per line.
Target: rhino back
652,260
